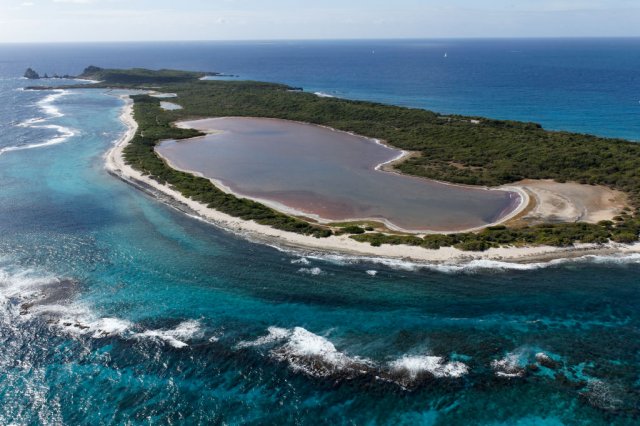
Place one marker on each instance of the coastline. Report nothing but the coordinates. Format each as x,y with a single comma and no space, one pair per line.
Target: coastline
341,245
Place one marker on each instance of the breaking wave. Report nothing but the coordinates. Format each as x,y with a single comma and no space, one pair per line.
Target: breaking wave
309,353
47,106
523,360
275,334
323,95
81,321
310,271
28,295
64,133
433,365
474,266
176,337
510,366
316,356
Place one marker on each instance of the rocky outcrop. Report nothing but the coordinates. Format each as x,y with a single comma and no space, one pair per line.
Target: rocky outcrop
31,74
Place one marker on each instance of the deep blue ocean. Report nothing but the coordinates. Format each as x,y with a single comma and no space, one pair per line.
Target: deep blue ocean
116,309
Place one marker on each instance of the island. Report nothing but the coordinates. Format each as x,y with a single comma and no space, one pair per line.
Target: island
32,74
576,193
131,76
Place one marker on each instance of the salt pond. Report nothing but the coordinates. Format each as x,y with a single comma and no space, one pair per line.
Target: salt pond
169,106
328,175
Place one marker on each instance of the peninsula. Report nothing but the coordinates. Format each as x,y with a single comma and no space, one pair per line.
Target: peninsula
577,193
130,76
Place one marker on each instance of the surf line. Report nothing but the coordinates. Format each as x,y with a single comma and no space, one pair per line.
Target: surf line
47,106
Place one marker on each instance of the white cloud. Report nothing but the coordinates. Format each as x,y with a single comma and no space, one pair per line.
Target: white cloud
95,20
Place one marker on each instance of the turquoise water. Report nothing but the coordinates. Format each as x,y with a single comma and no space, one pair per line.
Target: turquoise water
116,309
329,175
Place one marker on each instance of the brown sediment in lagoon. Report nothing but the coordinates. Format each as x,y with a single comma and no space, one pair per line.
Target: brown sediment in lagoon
329,175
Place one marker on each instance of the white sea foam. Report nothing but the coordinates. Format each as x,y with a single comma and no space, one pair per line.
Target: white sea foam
399,264
301,261
46,105
30,122
602,395
544,359
275,334
372,272
310,271
64,134
80,321
86,80
323,95
477,265
18,286
436,366
316,356
510,366
106,327
308,353
26,294
176,337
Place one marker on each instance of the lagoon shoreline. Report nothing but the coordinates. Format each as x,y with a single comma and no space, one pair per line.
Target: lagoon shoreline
515,208
340,245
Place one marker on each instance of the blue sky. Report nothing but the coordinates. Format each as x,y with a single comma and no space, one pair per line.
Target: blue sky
122,20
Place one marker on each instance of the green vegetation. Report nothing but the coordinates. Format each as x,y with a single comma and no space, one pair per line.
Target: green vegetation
458,149
140,76
353,229
559,235
155,125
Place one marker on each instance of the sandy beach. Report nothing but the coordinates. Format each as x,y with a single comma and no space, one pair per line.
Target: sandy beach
115,164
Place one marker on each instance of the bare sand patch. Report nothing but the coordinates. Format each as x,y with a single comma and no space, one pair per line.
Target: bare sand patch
554,202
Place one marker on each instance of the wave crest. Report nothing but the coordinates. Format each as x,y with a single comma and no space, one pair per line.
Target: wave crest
313,355
28,295
475,266
48,107
316,356
176,337
436,366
